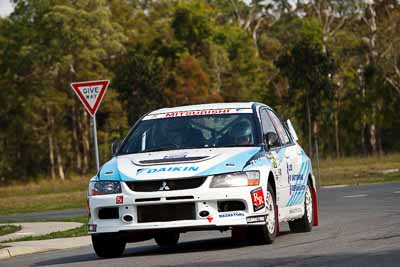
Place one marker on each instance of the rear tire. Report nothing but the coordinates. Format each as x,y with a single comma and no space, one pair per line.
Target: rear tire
305,223
266,234
108,246
167,239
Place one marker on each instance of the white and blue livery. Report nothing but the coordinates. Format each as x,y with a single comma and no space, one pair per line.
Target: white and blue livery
225,166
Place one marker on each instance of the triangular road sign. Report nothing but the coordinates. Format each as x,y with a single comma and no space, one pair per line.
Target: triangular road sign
91,93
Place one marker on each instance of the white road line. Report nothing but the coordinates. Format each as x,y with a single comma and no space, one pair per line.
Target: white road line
353,196
396,192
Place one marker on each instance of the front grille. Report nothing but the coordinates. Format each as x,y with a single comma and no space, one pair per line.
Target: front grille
166,212
166,185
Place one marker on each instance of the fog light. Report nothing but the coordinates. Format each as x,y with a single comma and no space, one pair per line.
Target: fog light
92,227
204,213
127,218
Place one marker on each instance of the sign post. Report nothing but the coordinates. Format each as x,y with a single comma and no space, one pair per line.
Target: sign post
91,93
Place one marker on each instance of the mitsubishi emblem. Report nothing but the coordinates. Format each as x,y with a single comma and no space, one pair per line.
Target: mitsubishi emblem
164,186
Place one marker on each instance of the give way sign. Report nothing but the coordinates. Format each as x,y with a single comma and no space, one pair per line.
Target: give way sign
91,93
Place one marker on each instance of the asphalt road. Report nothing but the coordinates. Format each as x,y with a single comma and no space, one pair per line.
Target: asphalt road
359,226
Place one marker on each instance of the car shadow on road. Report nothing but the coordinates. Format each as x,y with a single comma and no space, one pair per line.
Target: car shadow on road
389,258
202,245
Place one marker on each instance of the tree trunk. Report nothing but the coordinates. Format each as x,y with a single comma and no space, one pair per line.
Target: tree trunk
363,139
372,132
51,143
59,162
75,145
337,141
309,126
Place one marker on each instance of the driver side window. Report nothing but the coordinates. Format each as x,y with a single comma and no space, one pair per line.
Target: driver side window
267,125
280,129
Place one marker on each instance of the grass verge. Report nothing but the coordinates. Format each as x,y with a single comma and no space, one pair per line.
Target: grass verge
76,232
359,170
9,229
43,195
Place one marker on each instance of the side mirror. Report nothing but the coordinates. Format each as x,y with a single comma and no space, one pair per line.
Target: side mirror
115,146
291,130
271,139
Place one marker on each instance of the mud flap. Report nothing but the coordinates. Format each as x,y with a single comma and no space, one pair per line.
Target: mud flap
277,220
315,204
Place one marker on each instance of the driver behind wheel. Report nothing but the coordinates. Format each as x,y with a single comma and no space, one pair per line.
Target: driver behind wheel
172,133
241,133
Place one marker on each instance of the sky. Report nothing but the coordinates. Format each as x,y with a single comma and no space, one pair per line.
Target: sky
5,8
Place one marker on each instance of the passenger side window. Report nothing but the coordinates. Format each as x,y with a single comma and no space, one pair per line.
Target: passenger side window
279,128
267,125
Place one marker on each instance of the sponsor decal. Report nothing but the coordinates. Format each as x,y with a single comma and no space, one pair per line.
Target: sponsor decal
200,112
197,112
257,197
274,162
256,219
168,169
119,199
209,218
289,167
298,187
271,157
231,214
296,177
176,156
230,165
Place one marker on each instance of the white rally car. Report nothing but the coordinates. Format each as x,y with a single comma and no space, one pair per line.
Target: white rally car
225,166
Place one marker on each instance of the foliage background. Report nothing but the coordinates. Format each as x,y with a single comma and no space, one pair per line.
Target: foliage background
331,66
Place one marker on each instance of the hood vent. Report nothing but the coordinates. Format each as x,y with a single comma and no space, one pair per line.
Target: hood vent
171,160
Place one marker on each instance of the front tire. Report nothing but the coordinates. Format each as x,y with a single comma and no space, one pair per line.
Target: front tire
167,239
266,234
108,246
305,223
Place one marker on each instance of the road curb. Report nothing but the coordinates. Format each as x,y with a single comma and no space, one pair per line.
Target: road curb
30,247
6,253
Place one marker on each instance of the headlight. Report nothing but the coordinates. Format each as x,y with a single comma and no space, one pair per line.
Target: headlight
236,179
104,187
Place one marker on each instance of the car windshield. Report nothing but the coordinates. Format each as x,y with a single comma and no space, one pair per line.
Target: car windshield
218,130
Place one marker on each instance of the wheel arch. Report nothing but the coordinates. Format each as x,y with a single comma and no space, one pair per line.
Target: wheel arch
271,180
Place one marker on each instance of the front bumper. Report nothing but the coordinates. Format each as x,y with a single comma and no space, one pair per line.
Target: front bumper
203,199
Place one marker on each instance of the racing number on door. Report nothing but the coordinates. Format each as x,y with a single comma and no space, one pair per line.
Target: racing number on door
257,197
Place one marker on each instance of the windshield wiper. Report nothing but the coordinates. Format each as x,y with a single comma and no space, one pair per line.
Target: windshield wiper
233,145
158,149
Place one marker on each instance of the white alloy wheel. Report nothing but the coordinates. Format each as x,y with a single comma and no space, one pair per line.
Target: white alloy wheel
309,205
270,209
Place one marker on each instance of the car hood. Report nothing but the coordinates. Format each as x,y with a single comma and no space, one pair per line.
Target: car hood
177,163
